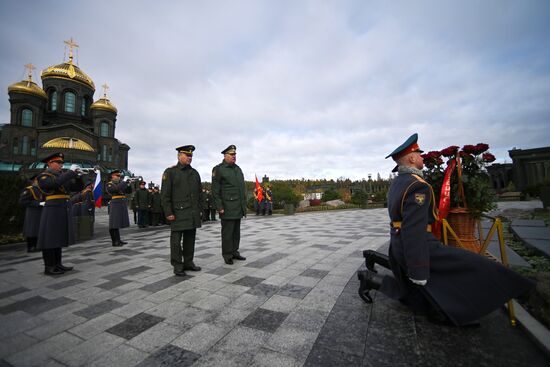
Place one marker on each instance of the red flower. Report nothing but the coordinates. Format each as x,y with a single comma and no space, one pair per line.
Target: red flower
466,156
449,151
480,148
470,149
488,157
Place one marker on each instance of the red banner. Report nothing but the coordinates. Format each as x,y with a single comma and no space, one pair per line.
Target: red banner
259,190
444,198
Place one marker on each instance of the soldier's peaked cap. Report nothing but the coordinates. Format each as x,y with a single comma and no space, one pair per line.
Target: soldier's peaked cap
230,150
187,149
115,172
410,145
54,157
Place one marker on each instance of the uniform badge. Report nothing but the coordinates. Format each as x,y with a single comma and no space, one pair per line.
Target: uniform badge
420,198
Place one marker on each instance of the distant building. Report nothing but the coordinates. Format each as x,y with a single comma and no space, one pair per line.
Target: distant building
530,167
60,116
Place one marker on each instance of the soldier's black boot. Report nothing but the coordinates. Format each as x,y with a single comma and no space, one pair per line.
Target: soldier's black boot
118,238
368,280
114,237
372,257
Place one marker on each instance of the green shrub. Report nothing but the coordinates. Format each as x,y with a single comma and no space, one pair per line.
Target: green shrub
11,213
331,194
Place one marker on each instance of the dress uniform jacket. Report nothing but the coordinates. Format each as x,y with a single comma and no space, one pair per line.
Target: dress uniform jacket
30,199
463,285
118,211
156,200
142,198
229,191
56,223
181,192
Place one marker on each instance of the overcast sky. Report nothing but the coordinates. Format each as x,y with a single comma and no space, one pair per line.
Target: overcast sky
304,89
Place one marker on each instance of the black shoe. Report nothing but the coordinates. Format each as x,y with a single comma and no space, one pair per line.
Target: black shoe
192,267
64,268
117,244
228,261
123,242
239,257
52,270
179,273
369,280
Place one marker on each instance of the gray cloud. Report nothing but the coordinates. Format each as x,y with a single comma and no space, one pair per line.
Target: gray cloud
304,89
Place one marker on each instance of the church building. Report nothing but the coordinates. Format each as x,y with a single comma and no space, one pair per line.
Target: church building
60,116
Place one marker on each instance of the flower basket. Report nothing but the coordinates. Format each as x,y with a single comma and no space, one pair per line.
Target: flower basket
464,225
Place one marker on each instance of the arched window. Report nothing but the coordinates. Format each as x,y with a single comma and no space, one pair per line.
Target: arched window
53,100
26,117
15,146
83,107
104,129
69,102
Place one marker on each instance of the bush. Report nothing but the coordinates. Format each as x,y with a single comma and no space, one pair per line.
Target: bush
283,194
331,194
359,198
11,213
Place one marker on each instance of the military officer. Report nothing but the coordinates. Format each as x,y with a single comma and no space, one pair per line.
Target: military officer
142,199
56,228
156,206
31,199
268,200
181,191
229,192
448,284
118,211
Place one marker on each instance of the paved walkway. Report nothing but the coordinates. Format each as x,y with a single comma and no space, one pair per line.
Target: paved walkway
292,303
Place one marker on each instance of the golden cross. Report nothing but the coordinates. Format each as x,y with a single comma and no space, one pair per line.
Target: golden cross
30,67
72,44
105,87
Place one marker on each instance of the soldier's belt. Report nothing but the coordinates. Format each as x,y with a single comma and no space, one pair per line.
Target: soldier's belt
397,225
118,197
53,197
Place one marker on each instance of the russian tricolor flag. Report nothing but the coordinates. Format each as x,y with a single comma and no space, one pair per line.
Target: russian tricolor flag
98,191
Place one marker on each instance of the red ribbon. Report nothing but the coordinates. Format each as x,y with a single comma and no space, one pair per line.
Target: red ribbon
444,198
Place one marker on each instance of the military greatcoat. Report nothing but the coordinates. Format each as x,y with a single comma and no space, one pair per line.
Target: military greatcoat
181,192
118,211
229,191
56,223
30,199
463,285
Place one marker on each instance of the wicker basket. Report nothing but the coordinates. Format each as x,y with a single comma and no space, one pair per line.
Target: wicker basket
464,226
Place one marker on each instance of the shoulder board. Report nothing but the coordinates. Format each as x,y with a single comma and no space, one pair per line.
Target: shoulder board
419,178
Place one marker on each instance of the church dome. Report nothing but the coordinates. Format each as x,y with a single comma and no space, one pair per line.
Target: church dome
103,104
70,71
28,87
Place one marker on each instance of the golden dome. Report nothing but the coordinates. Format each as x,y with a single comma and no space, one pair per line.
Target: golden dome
68,143
70,71
104,104
28,87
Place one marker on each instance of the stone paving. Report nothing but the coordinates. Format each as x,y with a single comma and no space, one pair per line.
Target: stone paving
292,303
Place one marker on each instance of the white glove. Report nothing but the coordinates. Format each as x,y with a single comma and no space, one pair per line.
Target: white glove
418,282
126,178
75,168
42,203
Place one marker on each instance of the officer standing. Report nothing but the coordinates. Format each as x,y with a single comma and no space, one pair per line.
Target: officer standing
118,211
211,206
448,284
229,192
31,199
268,200
181,191
56,228
156,206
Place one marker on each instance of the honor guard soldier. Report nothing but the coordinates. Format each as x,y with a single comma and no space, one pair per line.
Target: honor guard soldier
181,192
56,228
448,284
143,201
229,194
118,211
31,199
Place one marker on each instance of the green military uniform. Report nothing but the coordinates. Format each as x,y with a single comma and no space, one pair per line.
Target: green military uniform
142,204
181,190
156,207
229,193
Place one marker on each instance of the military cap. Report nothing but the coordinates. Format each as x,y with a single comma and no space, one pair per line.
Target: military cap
54,157
410,145
115,172
186,149
230,150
